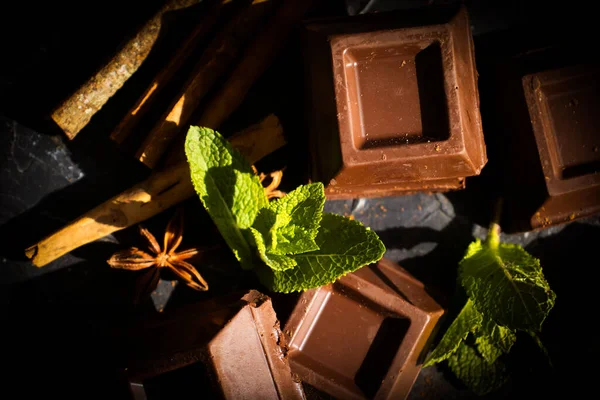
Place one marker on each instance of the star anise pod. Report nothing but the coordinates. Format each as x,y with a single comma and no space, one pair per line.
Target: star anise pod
271,189
135,259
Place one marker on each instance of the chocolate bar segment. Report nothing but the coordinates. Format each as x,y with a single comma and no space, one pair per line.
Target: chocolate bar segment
394,106
363,337
543,100
563,105
229,346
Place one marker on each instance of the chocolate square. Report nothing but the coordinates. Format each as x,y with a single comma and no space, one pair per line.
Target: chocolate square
563,106
394,106
542,97
363,337
230,347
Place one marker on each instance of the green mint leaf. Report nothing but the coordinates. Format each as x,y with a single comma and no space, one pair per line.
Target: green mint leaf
299,215
506,284
275,261
344,246
474,371
487,349
264,223
230,191
467,321
494,340
291,223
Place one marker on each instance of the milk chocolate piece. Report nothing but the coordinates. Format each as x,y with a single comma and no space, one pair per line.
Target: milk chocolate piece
542,97
230,347
563,106
363,337
394,106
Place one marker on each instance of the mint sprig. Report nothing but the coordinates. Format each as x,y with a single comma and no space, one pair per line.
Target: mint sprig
344,246
506,283
507,292
290,242
229,189
290,224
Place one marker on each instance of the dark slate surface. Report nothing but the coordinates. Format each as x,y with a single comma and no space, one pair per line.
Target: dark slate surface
56,320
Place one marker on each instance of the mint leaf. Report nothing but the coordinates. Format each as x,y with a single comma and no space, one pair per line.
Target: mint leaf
300,248
291,223
507,291
467,321
487,349
494,340
299,215
344,246
506,284
475,372
275,261
230,191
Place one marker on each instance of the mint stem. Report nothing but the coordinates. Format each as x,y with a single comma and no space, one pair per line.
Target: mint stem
538,341
493,236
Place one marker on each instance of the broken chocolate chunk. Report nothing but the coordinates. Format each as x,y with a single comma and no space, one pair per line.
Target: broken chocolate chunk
228,348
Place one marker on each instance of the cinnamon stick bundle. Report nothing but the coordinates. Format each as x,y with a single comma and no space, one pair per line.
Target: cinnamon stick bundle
152,92
216,60
157,193
257,58
77,111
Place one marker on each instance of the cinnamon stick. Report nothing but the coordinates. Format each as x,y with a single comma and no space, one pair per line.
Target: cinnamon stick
148,198
257,57
152,92
77,111
214,63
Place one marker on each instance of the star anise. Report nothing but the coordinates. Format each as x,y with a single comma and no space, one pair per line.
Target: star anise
271,189
135,259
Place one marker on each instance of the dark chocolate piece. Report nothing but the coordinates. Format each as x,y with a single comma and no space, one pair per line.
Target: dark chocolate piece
394,106
363,337
231,347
